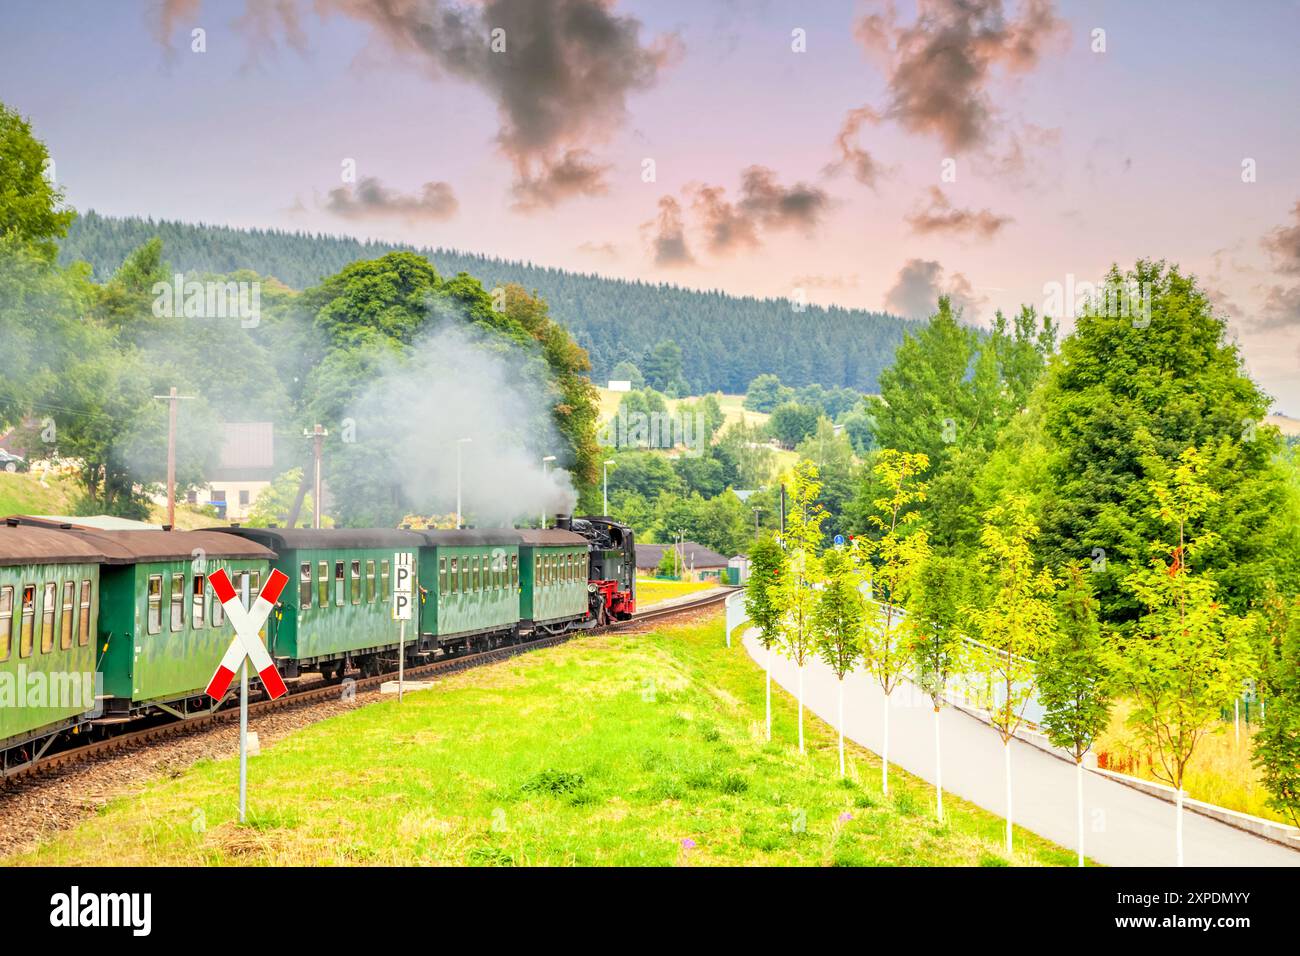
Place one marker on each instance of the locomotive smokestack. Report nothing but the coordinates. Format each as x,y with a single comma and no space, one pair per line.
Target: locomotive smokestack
564,522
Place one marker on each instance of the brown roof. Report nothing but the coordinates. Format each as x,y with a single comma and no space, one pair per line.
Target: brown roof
550,538
30,544
137,547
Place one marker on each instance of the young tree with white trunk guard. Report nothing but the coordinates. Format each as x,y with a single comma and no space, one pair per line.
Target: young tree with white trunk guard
838,621
1014,623
1072,678
1187,655
795,592
765,560
899,554
934,639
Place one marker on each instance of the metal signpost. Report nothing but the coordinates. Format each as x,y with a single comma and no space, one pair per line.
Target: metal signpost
247,644
403,588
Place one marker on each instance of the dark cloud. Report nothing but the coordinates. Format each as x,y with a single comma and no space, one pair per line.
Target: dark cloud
941,216
1283,244
865,168
763,204
560,85
1281,309
371,199
574,175
668,235
938,69
915,293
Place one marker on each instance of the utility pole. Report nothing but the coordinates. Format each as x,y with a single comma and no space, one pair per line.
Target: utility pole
756,532
783,508
172,398
318,433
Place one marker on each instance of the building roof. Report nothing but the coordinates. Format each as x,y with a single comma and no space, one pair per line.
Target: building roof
293,539
36,544
694,555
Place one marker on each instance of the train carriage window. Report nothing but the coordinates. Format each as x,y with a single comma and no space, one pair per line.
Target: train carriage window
254,586
154,622
51,595
66,612
28,621
454,578
464,574
478,573
83,620
218,612
198,594
370,582
178,601
304,586
339,582
356,582
6,621
323,584
514,570
442,575
383,581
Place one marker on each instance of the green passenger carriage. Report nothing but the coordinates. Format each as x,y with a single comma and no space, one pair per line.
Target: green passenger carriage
161,629
469,588
553,577
337,608
49,601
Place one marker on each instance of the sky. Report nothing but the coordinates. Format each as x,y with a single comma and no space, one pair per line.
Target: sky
868,154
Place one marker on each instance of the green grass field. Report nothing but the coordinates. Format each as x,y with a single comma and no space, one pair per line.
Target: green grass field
612,749
651,590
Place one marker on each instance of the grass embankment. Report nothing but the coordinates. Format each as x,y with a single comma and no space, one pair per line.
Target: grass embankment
24,494
612,749
1220,771
652,590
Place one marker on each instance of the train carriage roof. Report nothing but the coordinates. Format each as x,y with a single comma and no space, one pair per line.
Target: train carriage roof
34,544
550,538
139,547
470,537
312,539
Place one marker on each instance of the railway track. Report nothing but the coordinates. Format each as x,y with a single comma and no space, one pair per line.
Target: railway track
324,690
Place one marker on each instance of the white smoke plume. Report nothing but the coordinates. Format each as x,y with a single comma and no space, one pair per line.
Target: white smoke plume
456,383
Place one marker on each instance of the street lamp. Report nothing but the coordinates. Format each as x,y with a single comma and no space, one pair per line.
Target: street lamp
544,461
604,497
459,442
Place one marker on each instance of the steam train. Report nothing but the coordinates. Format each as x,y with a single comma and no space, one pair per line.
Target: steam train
104,626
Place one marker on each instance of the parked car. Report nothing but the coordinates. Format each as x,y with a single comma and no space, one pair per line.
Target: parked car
11,463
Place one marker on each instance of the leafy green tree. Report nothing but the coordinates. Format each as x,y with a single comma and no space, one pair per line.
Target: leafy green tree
626,371
1073,677
1014,623
898,555
1133,389
934,641
837,622
668,564
702,419
275,503
32,213
766,392
1277,742
794,593
746,449
701,474
837,469
790,423
1187,654
765,561
645,473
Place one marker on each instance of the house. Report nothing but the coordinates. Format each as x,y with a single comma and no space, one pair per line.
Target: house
698,563
245,468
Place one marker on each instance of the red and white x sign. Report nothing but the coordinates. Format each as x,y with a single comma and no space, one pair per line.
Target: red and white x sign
247,642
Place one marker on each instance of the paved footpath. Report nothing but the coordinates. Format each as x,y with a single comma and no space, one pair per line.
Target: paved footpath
1122,826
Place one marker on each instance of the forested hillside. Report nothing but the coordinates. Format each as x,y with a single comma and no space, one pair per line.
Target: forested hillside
613,319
